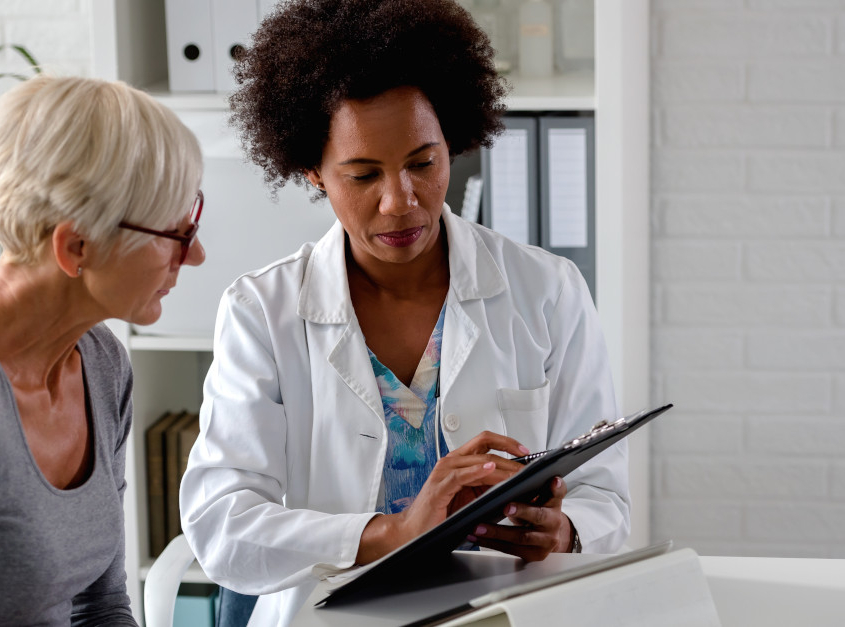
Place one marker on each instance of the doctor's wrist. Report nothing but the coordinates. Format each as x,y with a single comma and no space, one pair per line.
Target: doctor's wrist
382,535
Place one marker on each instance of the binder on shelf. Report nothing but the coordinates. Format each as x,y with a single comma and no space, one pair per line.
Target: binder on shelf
509,195
187,437
232,25
172,476
539,186
567,191
190,56
157,481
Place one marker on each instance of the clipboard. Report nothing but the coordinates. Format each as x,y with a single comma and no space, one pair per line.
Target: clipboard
427,549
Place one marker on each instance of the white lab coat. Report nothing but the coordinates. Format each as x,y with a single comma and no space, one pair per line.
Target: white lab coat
287,469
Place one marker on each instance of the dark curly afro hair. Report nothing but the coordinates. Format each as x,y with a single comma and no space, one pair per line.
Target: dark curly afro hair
308,56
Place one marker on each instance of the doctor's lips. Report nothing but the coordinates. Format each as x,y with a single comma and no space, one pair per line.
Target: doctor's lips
401,239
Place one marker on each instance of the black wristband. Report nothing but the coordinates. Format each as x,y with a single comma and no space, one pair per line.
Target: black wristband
576,542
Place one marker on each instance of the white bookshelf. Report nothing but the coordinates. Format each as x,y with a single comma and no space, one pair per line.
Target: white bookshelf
128,44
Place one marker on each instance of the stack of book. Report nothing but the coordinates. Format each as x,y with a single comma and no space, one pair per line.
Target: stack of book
169,440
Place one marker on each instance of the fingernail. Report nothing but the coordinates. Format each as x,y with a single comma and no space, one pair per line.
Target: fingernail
510,510
557,482
489,465
480,530
524,449
472,539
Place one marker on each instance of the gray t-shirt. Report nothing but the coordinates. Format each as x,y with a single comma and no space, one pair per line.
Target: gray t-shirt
62,551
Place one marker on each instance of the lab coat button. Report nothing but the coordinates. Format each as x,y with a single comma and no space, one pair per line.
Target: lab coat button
452,422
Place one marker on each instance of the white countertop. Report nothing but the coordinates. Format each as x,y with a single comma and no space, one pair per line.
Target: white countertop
747,591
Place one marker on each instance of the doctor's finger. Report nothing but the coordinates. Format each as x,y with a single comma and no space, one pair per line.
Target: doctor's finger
548,518
451,480
461,461
531,545
556,492
485,473
489,441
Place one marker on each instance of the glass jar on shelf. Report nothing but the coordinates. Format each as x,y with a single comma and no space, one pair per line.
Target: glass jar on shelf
536,39
492,16
575,34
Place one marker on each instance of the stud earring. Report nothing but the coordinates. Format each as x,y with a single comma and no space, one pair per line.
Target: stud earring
78,270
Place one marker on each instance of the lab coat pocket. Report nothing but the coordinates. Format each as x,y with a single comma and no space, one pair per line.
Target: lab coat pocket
526,415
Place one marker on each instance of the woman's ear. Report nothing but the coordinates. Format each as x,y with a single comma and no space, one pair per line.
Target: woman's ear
69,249
315,179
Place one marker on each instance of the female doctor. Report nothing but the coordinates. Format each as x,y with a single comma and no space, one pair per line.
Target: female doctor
369,384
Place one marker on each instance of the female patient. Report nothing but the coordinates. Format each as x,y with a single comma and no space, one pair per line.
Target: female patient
99,204
321,440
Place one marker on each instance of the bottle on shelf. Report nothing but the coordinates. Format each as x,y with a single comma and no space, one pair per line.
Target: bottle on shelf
536,49
574,34
490,16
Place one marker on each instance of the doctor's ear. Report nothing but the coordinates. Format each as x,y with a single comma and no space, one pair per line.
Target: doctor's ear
315,179
69,249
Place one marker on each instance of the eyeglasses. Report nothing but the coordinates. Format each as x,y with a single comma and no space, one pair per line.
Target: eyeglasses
186,239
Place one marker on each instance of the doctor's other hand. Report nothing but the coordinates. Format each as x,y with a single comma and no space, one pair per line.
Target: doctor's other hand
456,479
536,531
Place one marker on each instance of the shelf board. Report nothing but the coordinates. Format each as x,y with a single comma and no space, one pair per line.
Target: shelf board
168,343
194,574
568,91
189,101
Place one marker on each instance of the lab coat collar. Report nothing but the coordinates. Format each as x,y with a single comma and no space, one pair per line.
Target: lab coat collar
325,298
472,270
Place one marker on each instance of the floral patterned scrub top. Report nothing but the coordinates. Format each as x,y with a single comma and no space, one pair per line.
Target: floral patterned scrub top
409,415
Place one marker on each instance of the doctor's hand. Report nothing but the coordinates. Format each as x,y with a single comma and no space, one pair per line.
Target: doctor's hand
538,528
456,479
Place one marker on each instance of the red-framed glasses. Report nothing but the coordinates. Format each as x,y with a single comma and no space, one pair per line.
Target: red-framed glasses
186,238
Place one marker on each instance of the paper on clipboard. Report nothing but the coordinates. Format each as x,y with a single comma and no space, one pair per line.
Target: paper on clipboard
567,187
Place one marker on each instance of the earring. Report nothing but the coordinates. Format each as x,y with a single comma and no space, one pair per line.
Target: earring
78,270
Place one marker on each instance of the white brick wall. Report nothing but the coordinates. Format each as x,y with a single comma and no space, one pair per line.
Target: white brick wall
748,273
56,32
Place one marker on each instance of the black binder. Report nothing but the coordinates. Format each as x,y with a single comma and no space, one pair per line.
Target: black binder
424,552
543,190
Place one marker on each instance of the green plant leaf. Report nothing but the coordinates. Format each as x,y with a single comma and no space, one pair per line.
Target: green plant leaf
27,55
20,77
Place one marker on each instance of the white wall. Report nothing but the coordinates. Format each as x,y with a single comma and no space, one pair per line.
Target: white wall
748,274
56,32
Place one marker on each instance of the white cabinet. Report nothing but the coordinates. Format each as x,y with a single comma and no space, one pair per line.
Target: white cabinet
129,44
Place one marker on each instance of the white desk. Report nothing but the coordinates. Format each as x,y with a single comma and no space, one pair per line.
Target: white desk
776,591
773,592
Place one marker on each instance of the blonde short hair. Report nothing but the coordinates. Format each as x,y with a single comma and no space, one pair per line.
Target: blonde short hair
92,152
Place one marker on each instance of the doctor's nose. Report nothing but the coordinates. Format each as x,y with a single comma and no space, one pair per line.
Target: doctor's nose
398,197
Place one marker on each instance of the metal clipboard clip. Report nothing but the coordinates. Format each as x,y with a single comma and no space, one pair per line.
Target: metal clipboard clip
599,430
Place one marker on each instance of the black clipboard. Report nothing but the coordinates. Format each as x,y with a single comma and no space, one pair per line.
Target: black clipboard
425,550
